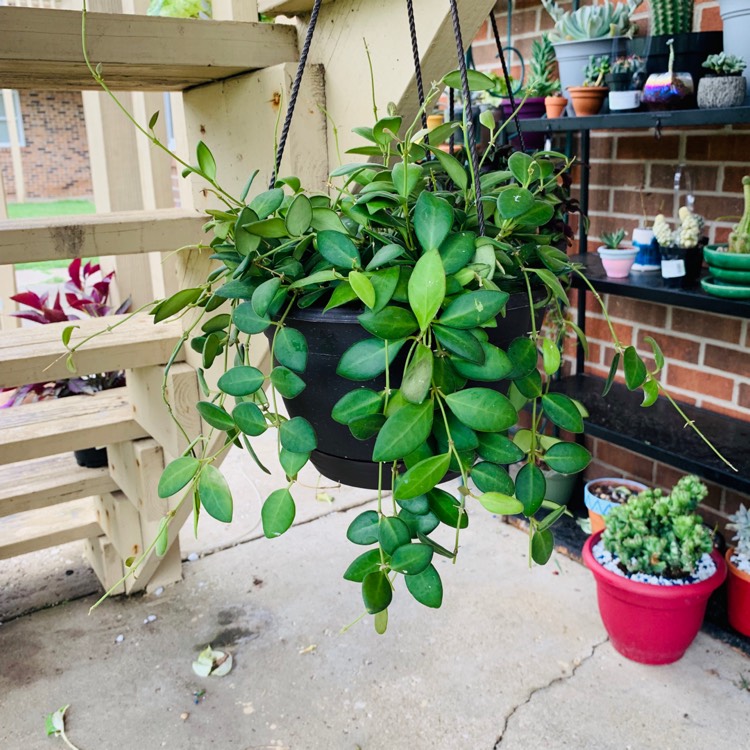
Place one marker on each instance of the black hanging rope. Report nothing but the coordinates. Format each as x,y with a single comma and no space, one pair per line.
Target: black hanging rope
451,117
501,55
415,55
295,92
472,146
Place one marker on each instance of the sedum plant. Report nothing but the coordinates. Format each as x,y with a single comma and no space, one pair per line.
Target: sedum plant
740,522
658,533
724,65
592,21
671,16
739,237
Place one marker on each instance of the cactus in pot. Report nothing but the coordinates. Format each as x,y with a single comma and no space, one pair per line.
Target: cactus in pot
671,16
739,237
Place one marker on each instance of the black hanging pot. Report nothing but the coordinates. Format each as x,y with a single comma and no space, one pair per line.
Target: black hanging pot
91,458
340,456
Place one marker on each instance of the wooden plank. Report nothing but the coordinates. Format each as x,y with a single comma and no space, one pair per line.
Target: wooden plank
121,524
166,570
60,425
136,467
36,355
123,233
48,527
286,7
42,482
105,561
41,49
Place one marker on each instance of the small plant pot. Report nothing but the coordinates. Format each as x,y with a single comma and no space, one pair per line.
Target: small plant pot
555,106
434,121
617,263
649,257
647,623
715,92
91,458
601,495
587,100
680,266
620,101
738,596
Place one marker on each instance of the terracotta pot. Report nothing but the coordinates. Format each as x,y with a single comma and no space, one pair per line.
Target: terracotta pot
555,105
587,100
738,596
598,508
647,623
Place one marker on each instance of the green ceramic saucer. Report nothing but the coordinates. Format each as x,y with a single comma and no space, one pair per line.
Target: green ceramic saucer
732,261
723,289
727,274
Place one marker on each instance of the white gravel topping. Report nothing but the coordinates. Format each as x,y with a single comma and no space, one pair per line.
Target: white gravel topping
704,570
742,562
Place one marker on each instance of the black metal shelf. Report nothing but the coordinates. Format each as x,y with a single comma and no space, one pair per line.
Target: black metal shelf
639,120
650,286
659,432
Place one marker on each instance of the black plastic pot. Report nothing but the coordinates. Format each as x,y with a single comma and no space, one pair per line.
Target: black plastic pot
340,456
681,267
91,458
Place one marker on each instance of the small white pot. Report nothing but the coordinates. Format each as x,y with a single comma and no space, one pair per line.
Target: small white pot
624,100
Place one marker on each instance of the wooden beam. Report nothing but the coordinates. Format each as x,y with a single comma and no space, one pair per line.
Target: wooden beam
59,425
135,467
286,7
105,561
37,355
41,49
89,236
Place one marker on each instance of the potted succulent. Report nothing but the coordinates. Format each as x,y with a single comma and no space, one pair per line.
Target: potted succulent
86,295
588,98
625,83
655,568
681,249
542,78
603,494
738,564
616,260
724,86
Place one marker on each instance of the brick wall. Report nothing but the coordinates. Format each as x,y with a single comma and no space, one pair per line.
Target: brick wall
56,157
708,355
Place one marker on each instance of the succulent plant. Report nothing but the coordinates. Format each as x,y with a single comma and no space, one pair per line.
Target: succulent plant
628,64
725,65
592,21
687,235
542,81
671,16
740,522
658,533
739,237
595,71
612,240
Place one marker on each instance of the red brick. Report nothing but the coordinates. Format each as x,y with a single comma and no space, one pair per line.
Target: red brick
733,179
724,207
716,147
707,325
709,20
602,146
743,399
598,200
703,177
642,147
698,381
673,347
727,410
729,360
732,500
630,462
598,329
646,313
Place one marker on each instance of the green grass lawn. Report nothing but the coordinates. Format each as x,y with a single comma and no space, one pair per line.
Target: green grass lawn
48,208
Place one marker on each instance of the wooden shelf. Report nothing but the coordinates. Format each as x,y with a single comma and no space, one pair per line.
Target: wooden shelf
659,432
41,48
286,7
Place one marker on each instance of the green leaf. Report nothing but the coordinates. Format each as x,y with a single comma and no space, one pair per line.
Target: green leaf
326,219
206,160
550,356
386,129
299,215
523,355
342,295
215,415
496,365
298,435
452,166
658,355
287,383
277,513
404,431
338,249
241,381
67,333
247,320
174,304
364,528
447,508
417,506
531,385
498,449
427,287
363,428
292,462
367,359
269,228
635,370
236,290
367,562
513,202
531,488
245,242
477,81
211,347
290,349
411,559
415,385
426,587
542,544
563,412
263,296
55,723
423,523
215,495
392,534
267,203
538,215
567,458
457,250
473,309
650,392
500,504
177,474
521,166
217,323
489,477
384,255
423,477
433,219
462,343
406,177
392,323
249,418
363,288
482,409
376,592
162,537
356,404
612,372
319,277
380,621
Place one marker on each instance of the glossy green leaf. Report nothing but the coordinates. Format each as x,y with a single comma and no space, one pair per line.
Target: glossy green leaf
477,81
423,477
457,250
217,323
542,544
363,288
521,166
496,365
299,215
176,303
338,249
342,295
367,562
292,462
361,402
513,202
298,435
567,458
650,392
658,354
553,516
386,129
263,296
206,161
162,538
241,381
523,355
498,449
500,504
319,277
404,431
269,228
406,177
553,284
215,495
433,218
287,383
452,166
385,255
245,242
249,418
411,559
177,474
236,289
267,203
419,523
391,323
418,505
482,409
612,372
426,587
367,359
364,428
460,342
364,528
550,356
211,347
563,412
537,216
415,385
531,488
427,287
376,592
635,370
531,385
380,622
277,513
326,219
447,508
290,349
247,320
392,534
384,282
489,477
473,309
215,415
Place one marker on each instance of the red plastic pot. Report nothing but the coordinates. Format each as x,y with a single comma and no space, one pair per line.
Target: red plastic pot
646,623
738,597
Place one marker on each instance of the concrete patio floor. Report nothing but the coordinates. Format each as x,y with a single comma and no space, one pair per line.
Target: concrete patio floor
516,659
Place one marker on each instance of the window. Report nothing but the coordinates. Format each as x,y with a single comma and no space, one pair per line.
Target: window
4,134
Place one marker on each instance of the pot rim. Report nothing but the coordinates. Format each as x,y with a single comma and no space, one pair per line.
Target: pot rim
733,569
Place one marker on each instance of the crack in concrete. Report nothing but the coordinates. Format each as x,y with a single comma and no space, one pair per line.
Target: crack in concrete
534,691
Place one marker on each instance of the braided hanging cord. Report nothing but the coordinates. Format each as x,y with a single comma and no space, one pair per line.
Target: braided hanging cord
415,55
295,92
501,55
472,146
